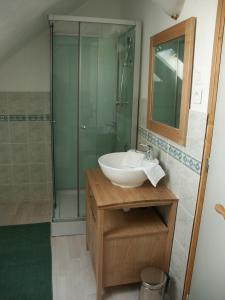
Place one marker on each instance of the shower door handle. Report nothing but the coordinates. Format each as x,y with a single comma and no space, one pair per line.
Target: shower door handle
83,127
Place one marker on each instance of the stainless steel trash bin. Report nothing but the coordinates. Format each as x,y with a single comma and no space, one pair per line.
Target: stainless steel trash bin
153,284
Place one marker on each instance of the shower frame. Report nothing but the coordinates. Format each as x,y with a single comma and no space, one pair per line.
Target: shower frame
78,225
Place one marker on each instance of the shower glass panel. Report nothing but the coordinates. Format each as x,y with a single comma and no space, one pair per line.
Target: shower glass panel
87,112
92,104
106,94
65,110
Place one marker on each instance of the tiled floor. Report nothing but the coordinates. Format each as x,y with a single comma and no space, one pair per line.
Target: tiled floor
67,206
73,276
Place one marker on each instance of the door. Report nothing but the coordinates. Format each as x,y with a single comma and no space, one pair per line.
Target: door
208,281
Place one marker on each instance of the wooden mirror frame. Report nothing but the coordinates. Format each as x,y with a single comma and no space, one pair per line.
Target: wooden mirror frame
186,29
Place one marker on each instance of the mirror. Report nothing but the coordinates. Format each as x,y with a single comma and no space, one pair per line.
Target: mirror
170,75
167,80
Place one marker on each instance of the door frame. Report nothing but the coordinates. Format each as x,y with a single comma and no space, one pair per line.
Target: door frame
215,73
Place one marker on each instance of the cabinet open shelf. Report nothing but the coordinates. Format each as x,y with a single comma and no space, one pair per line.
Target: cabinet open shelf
136,222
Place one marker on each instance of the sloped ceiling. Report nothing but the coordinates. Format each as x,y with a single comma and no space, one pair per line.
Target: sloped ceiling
20,20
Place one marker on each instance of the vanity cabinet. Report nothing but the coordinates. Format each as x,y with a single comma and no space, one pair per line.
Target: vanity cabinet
125,232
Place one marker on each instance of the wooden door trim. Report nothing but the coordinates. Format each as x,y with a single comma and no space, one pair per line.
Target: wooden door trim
215,72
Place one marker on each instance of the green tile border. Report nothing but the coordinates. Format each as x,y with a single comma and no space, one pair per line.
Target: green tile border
24,118
184,158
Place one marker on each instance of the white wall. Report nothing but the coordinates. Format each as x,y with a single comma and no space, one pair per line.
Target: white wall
29,68
155,20
100,9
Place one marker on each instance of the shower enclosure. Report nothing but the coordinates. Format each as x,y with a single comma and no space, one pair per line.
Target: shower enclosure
94,92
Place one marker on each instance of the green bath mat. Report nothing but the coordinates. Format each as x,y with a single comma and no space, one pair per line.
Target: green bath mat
25,262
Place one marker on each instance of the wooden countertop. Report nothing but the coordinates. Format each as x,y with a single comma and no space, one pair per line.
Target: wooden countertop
110,196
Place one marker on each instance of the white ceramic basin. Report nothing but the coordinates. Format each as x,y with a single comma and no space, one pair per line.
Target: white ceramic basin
112,167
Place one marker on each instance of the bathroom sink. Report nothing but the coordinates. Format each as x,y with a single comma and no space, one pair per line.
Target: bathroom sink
112,167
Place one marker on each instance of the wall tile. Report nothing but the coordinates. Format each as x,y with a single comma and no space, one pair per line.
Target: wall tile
182,165
5,156
175,289
188,192
37,153
49,171
19,132
196,133
38,132
4,132
20,174
50,191
38,192
163,158
38,103
48,152
5,175
48,132
37,173
178,262
17,103
3,103
173,171
183,229
176,151
19,153
25,137
6,193
182,179
21,192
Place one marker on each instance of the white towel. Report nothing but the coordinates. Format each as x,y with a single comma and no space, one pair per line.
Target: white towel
153,172
133,159
152,169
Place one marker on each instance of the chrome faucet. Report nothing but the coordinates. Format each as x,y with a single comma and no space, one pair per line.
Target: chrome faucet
149,151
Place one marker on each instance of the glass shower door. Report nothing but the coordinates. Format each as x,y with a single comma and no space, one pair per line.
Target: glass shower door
97,98
87,112
64,113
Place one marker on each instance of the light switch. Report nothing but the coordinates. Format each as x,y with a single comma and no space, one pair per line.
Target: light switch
197,94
